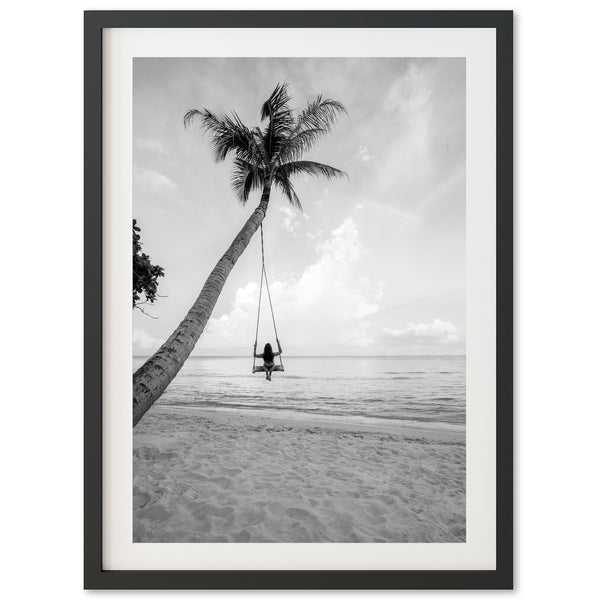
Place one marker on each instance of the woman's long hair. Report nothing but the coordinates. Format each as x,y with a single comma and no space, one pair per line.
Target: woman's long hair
268,353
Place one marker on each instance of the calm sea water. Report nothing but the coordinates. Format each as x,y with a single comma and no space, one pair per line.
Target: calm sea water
414,389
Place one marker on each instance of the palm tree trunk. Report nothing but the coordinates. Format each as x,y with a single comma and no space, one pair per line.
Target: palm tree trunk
151,379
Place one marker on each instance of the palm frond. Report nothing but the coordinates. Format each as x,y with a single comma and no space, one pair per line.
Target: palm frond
281,121
258,145
229,134
277,103
309,167
311,124
321,113
273,151
284,184
245,178
299,143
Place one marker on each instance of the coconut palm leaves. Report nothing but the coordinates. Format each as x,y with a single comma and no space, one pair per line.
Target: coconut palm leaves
246,177
263,157
270,155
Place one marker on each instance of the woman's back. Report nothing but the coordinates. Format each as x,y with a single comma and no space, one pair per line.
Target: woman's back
268,355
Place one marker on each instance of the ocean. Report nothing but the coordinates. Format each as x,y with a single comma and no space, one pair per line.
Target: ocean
425,391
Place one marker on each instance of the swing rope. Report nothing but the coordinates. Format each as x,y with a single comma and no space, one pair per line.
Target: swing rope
263,276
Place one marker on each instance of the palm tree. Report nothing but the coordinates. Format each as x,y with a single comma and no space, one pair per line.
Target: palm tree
262,158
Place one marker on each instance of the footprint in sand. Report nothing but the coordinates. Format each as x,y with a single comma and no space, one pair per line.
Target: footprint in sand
299,533
168,455
252,516
221,481
298,513
275,509
387,499
344,523
140,499
232,472
304,516
145,453
202,526
215,511
155,513
242,536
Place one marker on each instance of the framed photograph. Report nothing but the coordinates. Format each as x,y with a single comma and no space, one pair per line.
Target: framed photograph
298,283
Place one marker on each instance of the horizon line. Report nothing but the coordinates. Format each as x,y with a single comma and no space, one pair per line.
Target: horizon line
315,355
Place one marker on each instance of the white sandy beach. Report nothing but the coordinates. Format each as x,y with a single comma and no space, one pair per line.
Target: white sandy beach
202,476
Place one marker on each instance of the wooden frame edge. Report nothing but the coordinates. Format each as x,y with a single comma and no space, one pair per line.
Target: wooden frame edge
97,578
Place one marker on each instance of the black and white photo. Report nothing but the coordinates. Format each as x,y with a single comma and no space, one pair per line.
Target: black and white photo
299,334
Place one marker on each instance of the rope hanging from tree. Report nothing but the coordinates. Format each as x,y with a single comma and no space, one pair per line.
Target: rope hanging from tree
263,277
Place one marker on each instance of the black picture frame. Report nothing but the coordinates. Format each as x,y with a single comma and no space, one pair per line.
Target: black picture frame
95,577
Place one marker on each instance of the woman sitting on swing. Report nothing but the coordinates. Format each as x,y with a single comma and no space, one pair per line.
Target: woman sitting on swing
268,357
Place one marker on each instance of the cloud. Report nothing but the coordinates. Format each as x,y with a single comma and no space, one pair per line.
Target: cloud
437,332
328,305
143,341
410,111
393,210
149,180
154,146
291,219
412,91
313,235
363,154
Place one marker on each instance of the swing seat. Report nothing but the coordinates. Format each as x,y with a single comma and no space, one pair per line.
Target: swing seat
262,369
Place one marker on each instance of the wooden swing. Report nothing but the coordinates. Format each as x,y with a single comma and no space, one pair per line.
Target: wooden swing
263,277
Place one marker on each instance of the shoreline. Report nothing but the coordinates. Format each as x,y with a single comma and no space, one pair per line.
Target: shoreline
431,431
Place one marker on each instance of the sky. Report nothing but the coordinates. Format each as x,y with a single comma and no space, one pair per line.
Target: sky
375,265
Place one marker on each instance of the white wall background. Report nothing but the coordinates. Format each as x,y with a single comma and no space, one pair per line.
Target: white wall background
558,331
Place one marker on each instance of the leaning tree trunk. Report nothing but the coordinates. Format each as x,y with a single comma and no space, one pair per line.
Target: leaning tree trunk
151,379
